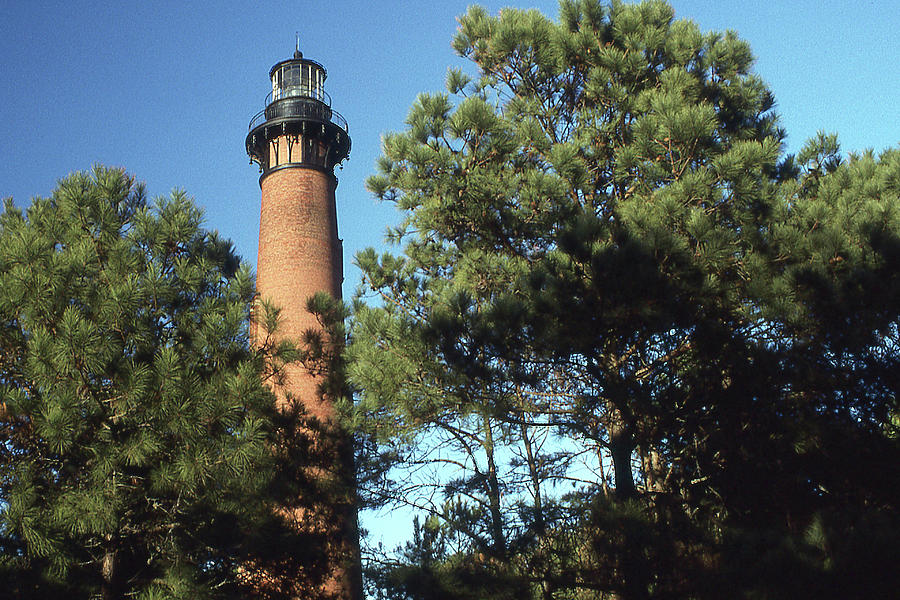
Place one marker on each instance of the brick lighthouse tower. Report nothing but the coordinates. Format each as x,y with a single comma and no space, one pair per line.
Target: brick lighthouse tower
296,141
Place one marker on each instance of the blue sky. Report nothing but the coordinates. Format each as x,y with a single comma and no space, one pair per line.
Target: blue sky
166,89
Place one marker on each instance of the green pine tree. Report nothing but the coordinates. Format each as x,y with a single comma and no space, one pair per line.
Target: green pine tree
607,259
137,430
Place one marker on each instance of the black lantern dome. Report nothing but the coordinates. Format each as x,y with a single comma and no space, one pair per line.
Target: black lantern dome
298,127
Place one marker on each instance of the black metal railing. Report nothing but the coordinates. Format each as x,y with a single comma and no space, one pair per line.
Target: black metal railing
304,107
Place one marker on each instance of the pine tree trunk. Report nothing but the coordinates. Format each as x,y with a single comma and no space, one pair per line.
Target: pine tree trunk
653,471
493,490
534,473
621,445
109,587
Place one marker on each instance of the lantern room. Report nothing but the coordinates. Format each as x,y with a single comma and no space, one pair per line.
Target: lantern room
297,127
298,77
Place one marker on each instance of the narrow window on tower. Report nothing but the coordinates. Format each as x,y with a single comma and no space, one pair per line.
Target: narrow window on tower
292,141
273,153
307,147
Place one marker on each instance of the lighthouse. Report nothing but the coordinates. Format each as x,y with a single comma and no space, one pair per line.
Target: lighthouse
296,141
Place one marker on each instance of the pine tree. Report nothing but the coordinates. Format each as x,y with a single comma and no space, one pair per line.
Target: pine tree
605,246
138,433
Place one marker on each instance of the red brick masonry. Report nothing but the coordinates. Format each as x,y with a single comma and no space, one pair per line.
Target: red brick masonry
300,254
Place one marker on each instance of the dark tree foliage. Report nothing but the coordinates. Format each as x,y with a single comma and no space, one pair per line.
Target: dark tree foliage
630,349
142,455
